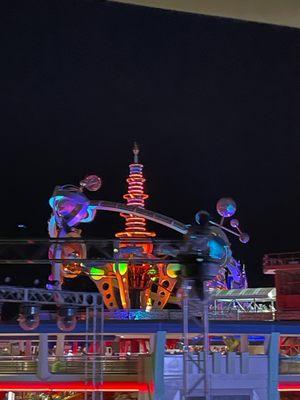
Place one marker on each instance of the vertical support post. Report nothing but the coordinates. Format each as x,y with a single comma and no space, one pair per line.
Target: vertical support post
94,344
217,362
244,365
56,268
266,344
60,344
159,355
152,342
244,344
28,347
231,363
21,348
206,352
185,355
273,367
43,367
102,346
86,349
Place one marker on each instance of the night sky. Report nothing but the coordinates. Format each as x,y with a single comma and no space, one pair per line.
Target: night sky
213,103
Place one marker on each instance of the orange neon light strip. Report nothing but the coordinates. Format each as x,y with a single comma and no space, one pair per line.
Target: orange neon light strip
135,196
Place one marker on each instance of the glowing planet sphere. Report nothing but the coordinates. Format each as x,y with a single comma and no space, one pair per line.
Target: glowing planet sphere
226,207
91,182
202,217
244,238
234,223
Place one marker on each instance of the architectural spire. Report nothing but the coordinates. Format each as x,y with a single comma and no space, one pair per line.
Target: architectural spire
136,151
135,196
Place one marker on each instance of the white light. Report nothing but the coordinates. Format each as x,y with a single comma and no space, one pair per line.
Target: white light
11,396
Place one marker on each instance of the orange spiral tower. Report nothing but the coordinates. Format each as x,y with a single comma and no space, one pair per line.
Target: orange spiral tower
135,227
134,285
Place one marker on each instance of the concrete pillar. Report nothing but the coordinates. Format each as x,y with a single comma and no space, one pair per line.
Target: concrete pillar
266,344
217,362
159,355
273,367
60,345
152,342
43,367
231,358
116,345
245,363
244,344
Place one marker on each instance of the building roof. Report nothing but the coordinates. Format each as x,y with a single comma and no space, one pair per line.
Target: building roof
277,12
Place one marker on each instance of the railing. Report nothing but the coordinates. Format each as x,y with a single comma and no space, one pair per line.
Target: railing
18,365
82,364
235,311
277,259
230,363
112,366
290,365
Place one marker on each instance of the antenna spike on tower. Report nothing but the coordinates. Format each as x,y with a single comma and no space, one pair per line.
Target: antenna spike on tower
136,151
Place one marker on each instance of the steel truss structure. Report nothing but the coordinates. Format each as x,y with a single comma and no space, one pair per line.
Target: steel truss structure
203,323
13,294
36,251
94,318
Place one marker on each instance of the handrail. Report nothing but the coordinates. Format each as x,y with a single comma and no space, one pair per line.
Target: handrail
18,358
112,365
281,258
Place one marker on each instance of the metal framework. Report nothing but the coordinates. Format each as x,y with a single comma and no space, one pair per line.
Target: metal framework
281,261
91,302
203,324
35,251
13,294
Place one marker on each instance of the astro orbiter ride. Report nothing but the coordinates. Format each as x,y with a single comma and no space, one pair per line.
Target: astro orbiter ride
130,283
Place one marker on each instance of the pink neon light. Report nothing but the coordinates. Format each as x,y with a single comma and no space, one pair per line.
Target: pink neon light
76,386
289,386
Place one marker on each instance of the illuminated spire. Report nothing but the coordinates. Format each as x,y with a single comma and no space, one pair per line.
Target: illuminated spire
136,151
135,226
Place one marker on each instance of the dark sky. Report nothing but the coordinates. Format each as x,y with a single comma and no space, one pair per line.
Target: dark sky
213,103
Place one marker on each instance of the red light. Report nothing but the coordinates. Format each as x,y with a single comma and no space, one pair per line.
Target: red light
76,386
289,386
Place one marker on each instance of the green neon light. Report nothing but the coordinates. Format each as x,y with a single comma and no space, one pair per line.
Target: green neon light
120,267
96,273
173,270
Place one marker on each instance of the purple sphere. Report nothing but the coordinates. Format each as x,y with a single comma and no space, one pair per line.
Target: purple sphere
244,238
92,183
226,207
234,223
